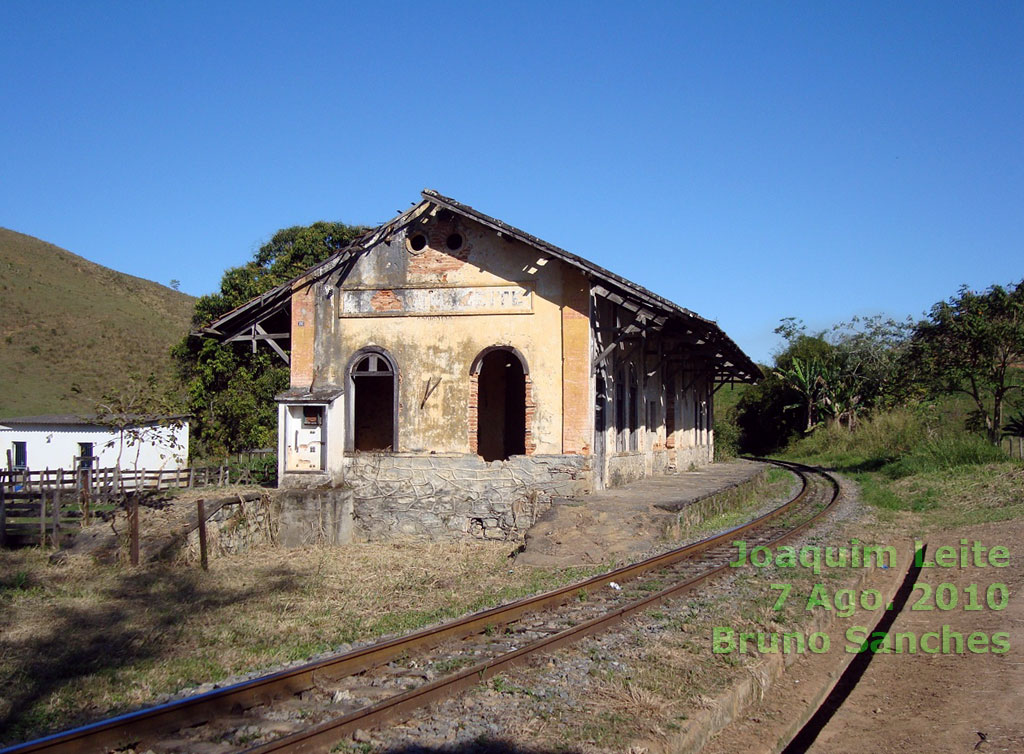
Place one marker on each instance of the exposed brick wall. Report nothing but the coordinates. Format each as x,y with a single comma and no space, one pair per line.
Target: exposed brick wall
303,336
670,414
436,261
531,410
385,301
473,412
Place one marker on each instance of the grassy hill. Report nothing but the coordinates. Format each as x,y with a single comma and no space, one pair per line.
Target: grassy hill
66,320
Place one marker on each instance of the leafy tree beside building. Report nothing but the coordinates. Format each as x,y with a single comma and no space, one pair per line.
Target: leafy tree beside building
230,390
973,344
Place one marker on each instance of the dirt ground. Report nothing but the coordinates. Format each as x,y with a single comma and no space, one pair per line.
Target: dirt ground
943,702
614,525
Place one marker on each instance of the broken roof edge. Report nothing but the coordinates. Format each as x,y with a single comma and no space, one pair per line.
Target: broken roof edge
596,271
280,294
278,297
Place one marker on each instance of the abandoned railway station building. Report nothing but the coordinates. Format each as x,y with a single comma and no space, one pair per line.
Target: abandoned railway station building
456,373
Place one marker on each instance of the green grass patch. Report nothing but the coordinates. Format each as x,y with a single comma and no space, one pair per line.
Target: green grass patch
922,462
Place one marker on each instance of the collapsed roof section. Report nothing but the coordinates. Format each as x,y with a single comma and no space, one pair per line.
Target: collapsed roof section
254,321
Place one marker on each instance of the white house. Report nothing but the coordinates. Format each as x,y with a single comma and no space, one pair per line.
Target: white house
66,441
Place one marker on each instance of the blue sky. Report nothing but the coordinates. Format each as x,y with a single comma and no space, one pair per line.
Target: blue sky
750,161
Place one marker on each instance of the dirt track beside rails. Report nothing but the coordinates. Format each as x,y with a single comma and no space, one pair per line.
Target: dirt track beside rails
945,702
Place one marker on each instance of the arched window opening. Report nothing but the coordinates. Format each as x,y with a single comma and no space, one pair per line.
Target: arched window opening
501,405
372,401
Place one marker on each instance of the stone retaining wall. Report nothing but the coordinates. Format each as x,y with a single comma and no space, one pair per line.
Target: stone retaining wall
694,456
235,528
448,495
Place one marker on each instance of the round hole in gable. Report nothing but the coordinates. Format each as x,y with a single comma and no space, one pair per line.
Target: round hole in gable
417,242
454,242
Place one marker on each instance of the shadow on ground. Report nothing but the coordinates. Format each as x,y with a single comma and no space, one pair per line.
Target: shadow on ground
476,747
130,623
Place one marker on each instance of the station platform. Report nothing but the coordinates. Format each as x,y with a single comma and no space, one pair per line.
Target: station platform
621,523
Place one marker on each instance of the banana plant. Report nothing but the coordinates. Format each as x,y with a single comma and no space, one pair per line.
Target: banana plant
806,376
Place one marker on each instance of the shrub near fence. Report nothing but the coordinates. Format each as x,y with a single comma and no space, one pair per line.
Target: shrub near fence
35,506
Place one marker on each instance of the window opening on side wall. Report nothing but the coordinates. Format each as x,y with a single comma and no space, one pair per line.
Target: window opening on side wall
19,451
634,408
620,411
372,402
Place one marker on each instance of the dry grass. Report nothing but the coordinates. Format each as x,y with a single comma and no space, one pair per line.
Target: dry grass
964,495
82,640
733,506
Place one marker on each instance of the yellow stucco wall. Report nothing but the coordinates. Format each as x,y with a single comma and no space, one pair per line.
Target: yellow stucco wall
577,403
439,349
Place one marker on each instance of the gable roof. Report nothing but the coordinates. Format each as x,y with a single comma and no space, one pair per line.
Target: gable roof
704,335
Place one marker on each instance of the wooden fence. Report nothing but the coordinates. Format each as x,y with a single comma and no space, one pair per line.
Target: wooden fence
1014,446
39,507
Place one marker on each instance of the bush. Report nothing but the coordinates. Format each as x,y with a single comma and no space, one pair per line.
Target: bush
727,437
872,444
262,468
946,451
898,443
766,416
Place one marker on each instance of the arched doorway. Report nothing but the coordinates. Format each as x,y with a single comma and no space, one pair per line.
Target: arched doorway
501,404
372,402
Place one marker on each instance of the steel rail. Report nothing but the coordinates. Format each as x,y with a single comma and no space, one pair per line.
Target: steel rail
153,721
320,738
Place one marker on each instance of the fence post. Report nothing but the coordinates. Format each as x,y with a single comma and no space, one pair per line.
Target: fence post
42,517
3,510
134,514
203,561
56,517
86,493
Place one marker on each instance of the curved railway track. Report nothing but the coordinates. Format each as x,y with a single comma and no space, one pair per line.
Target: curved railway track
388,680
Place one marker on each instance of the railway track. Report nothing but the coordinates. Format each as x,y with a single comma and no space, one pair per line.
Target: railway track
312,707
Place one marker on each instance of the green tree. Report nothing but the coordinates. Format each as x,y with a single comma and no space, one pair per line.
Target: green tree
834,375
230,390
775,410
806,377
974,344
144,410
872,352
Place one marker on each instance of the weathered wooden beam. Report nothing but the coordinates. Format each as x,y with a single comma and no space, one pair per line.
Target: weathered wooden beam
258,336
273,344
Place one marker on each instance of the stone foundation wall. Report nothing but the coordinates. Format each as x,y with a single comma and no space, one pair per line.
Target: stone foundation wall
694,456
235,528
440,496
624,468
290,518
312,517
661,463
